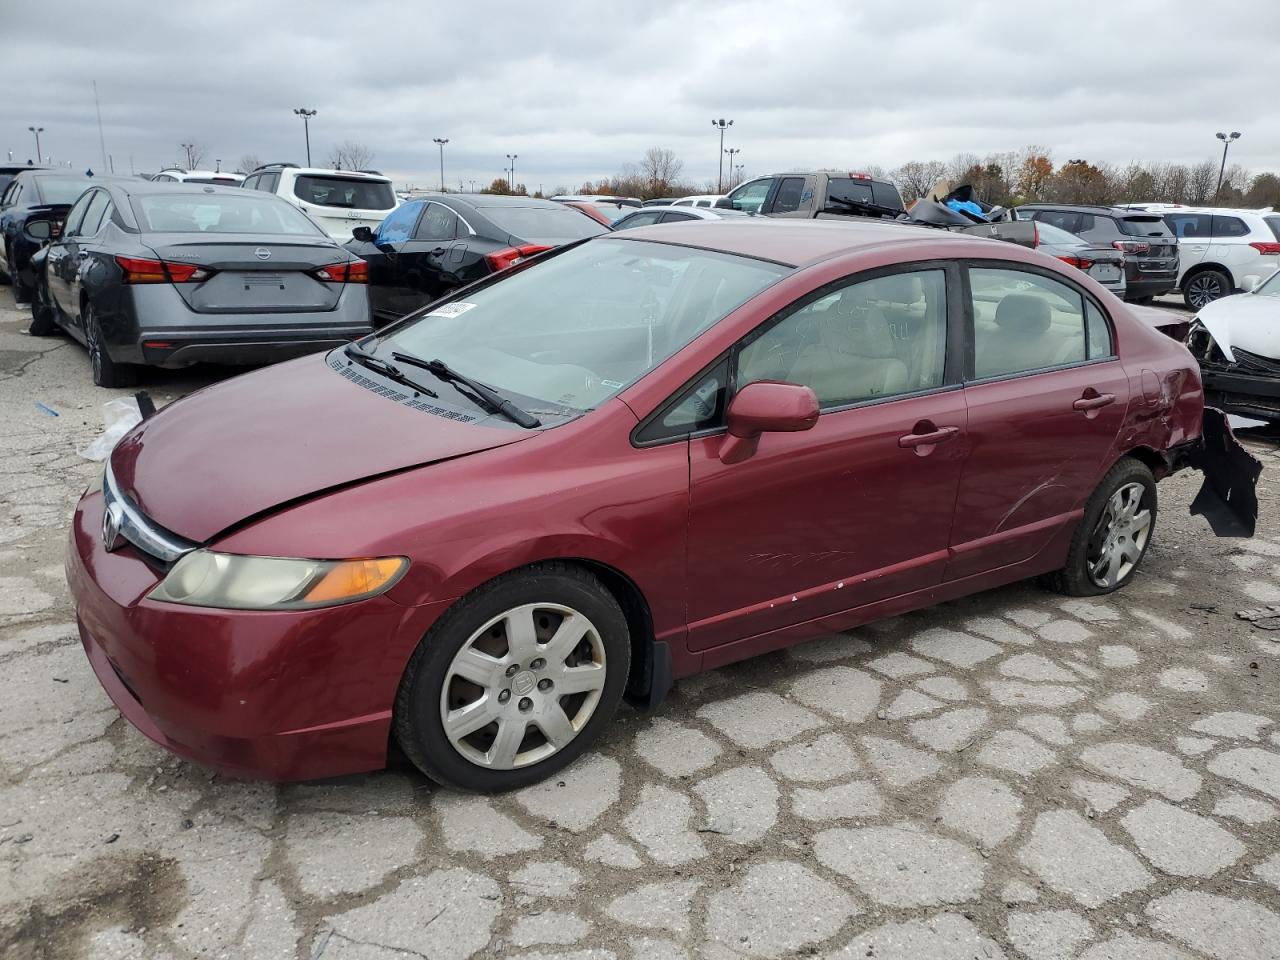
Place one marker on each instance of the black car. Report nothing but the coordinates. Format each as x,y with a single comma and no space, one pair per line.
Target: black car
169,274
1149,247
440,242
10,170
32,208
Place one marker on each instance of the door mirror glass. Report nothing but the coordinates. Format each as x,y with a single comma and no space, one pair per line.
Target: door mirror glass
43,229
724,203
766,407
363,234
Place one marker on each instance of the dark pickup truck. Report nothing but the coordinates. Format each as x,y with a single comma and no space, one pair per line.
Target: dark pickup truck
821,195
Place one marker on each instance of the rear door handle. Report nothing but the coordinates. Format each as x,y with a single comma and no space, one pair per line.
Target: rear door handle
1085,404
439,252
940,435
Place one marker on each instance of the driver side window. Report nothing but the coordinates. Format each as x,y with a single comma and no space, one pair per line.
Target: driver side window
76,215
867,340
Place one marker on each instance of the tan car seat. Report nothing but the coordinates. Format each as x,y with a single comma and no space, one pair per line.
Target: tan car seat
1021,340
853,357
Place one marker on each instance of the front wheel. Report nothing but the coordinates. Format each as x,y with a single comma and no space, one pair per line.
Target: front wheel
1114,534
43,317
106,372
1205,287
515,680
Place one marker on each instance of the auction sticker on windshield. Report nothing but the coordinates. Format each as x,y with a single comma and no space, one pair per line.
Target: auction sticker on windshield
451,310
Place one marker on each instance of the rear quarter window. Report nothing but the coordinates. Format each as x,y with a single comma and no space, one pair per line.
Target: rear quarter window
1229,227
1274,224
1144,227
347,193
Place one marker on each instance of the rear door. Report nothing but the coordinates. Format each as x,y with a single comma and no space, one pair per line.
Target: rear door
425,263
85,251
1046,396
1194,231
792,198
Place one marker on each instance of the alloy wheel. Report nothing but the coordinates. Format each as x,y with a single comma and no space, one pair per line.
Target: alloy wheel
523,686
1120,537
1203,290
93,343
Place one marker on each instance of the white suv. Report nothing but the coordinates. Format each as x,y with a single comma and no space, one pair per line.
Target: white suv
1219,247
337,200
177,174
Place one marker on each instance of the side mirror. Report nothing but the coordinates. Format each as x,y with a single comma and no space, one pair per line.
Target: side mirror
40,229
363,234
766,407
1250,283
724,203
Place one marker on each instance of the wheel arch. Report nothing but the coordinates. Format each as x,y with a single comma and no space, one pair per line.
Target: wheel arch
1155,461
1202,267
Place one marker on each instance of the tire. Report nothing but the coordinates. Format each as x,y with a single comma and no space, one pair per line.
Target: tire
510,729
1129,488
106,372
43,322
1142,301
1203,287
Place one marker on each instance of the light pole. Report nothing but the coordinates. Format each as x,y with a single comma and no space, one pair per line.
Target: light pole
732,152
188,147
441,141
37,131
306,116
723,125
511,181
740,175
1226,142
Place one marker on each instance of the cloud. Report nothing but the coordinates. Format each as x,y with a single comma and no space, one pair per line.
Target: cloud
577,89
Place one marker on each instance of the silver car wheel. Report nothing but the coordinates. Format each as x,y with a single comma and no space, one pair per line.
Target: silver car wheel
1120,537
1203,290
523,686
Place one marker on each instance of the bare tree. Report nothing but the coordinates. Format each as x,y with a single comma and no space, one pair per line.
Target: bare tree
350,155
916,176
1201,179
248,163
660,169
194,153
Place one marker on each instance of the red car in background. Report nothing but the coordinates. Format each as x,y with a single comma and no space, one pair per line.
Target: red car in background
629,460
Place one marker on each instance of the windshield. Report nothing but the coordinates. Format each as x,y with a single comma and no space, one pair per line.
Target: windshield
62,189
1057,236
570,332
543,223
1271,288
345,192
221,213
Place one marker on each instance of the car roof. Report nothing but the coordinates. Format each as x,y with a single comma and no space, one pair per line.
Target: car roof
324,172
482,200
136,187
1105,209
794,243
1225,211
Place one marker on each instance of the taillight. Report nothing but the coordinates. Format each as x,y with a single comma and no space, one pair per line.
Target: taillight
1080,262
1267,249
502,259
348,271
1132,246
139,270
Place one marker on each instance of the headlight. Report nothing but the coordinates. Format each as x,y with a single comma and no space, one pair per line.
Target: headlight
203,578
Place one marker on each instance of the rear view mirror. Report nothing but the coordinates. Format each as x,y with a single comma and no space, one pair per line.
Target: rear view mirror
363,234
766,407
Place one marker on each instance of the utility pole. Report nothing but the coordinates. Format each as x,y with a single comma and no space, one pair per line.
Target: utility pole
732,152
102,141
441,141
306,116
37,131
188,147
723,125
1227,140
511,180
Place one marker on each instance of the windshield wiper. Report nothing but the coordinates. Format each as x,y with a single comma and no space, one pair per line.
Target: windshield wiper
864,205
388,370
488,398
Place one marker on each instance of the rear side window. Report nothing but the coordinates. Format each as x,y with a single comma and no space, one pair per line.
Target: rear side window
1023,322
638,220
844,188
1144,226
347,193
398,227
93,217
543,223
438,223
790,190
1097,332
1229,227
672,216
1062,219
1274,224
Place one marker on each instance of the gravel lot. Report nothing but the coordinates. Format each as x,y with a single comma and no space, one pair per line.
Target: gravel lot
1013,775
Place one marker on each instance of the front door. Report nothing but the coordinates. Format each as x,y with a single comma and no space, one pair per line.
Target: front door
855,510
425,264
60,262
1045,399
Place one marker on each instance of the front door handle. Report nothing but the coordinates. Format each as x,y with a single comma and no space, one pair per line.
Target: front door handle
927,435
1090,405
439,252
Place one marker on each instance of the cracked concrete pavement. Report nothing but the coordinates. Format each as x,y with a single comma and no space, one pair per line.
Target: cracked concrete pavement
1012,775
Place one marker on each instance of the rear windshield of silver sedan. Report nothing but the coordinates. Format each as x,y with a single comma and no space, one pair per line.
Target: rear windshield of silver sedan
348,193
220,213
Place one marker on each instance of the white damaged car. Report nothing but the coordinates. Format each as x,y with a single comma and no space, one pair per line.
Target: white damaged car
1237,342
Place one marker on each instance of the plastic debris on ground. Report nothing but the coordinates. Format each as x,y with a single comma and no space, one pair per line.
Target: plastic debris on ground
47,410
118,417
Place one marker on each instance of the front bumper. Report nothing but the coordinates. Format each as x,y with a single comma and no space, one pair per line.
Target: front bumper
1240,393
282,695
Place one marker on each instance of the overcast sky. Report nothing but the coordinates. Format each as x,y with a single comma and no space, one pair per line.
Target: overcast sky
577,89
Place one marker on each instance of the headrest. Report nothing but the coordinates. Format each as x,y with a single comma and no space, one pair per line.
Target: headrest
900,288
1022,314
860,333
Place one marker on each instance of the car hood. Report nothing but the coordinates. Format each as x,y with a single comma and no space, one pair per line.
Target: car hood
264,439
1244,320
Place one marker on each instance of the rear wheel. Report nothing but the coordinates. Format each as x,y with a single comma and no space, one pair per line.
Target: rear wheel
1201,289
1142,301
43,322
1114,534
106,372
515,680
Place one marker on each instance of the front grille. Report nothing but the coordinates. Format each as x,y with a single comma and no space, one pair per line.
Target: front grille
352,373
1255,365
129,523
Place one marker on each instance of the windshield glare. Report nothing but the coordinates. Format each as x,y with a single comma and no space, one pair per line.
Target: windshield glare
63,189
1270,289
570,332
220,213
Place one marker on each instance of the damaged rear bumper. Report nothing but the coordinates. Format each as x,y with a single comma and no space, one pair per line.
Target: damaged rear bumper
1228,497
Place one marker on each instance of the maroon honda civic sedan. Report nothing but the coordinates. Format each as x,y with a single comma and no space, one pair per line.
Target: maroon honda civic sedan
625,461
